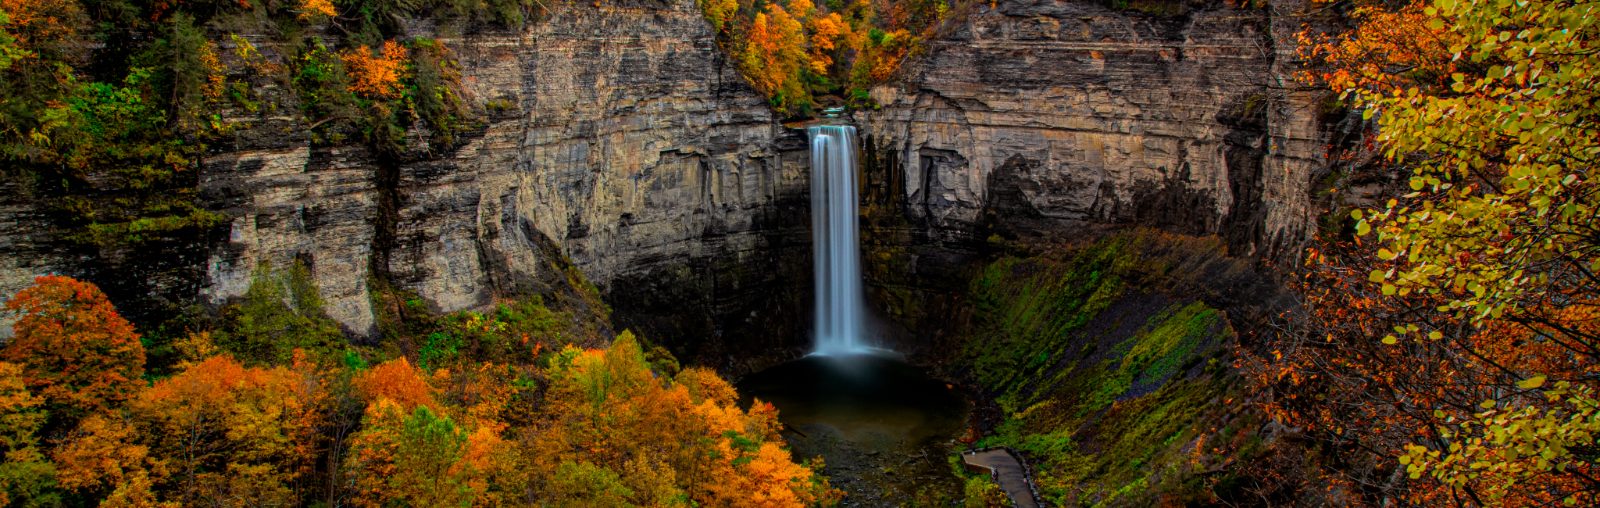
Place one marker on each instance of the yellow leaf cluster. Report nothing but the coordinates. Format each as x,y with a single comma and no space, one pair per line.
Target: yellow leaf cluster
663,439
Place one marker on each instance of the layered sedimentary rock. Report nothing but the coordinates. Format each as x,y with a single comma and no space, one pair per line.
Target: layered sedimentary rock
24,252
1042,113
621,140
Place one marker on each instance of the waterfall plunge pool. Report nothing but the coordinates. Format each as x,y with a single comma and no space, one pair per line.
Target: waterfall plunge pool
884,428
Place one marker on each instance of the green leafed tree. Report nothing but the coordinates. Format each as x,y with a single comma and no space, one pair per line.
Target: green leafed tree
280,312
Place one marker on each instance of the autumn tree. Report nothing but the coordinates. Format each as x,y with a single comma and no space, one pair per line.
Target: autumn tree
397,381
653,441
45,28
226,431
881,55
74,350
827,31
311,10
99,459
9,51
411,451
194,75
584,484
1456,338
218,433
27,478
401,457
775,55
720,12
793,51
376,73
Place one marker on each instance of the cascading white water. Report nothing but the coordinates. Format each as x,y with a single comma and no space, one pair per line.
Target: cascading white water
839,302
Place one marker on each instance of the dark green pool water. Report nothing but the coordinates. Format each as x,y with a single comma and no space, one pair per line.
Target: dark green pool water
884,428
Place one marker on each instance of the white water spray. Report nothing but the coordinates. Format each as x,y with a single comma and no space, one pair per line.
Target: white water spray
839,304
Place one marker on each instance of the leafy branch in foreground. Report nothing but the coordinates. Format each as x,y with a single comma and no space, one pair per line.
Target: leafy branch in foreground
1449,350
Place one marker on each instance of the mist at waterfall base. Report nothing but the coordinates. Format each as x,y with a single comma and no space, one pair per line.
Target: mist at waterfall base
883,427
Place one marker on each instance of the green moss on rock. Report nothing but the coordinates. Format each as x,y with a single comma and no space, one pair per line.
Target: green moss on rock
1108,372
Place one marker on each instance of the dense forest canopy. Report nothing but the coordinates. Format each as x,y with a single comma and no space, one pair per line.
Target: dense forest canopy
547,423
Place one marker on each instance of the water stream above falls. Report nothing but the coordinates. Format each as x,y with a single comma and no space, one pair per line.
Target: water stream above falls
883,427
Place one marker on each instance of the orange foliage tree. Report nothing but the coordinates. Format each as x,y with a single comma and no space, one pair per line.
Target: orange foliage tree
720,12
419,458
376,73
1388,48
412,451
215,434
228,431
100,459
316,9
654,441
826,33
398,381
73,347
775,55
43,25
792,50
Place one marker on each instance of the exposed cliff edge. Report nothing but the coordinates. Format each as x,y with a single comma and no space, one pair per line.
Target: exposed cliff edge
1038,114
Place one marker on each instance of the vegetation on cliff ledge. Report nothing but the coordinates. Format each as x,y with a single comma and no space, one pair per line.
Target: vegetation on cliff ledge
110,105
795,51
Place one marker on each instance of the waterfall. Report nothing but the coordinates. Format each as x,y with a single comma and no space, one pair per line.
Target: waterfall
839,304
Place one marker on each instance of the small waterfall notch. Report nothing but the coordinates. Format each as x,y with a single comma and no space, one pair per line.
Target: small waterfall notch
840,306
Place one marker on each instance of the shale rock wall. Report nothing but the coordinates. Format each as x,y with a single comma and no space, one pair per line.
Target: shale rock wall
1042,114
621,141
631,148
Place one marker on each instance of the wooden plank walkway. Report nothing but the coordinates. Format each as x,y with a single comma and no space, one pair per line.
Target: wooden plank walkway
1008,471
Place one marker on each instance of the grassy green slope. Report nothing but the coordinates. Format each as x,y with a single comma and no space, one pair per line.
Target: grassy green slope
1108,364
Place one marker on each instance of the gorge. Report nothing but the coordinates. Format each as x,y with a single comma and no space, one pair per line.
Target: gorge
1059,227
622,145
620,152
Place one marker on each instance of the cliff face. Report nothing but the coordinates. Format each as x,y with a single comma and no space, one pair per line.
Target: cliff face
628,146
1041,114
619,139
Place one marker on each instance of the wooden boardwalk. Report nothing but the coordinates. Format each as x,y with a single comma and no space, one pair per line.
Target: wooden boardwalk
1008,471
